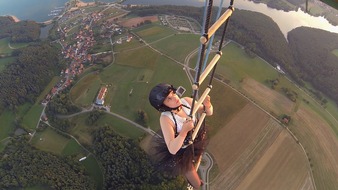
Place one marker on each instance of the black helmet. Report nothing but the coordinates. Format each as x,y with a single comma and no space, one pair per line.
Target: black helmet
158,94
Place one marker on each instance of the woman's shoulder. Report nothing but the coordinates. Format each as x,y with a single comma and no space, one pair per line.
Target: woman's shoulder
187,100
165,116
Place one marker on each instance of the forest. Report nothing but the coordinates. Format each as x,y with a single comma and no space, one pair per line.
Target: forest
23,166
127,166
305,55
23,31
318,64
24,80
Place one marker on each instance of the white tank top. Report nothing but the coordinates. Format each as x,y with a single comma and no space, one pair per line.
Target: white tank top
178,118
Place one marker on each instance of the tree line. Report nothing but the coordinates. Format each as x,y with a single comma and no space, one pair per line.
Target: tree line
22,31
306,55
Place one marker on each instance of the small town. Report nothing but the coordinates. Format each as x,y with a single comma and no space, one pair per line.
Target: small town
75,45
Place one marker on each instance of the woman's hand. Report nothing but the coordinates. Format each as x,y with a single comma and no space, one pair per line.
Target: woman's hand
188,125
207,106
207,102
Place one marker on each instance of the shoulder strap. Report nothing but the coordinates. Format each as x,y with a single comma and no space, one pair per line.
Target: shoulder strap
176,133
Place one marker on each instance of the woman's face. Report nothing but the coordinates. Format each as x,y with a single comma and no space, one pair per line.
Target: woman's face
172,100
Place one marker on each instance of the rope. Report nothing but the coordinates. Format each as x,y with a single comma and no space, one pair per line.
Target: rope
212,38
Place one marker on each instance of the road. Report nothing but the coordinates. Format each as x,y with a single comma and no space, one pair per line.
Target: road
205,167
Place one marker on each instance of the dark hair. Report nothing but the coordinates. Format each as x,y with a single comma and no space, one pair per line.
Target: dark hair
158,94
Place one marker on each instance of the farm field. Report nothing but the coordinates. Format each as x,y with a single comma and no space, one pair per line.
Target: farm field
133,22
262,157
153,32
316,136
283,166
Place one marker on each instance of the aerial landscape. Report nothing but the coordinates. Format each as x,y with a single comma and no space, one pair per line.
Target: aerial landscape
74,108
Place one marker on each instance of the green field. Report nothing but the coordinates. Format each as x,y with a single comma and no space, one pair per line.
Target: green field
235,65
72,148
153,32
139,58
31,119
50,141
176,46
94,171
4,46
5,61
4,49
7,124
335,52
134,43
86,90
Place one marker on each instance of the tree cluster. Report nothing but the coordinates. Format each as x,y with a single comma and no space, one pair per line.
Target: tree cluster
61,104
126,166
93,117
23,31
22,166
142,117
23,80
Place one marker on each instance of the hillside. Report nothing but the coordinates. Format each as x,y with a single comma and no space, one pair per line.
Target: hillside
312,50
23,31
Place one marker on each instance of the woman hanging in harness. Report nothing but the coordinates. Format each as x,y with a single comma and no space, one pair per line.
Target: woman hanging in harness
171,153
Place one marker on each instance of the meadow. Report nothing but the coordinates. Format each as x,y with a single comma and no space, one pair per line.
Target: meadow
4,49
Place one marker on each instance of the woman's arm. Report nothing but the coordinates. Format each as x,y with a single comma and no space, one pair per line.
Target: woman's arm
167,126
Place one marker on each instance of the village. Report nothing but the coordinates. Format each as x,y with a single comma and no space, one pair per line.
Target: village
76,46
77,38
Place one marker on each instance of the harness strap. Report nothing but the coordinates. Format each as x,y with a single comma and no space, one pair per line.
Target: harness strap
187,139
